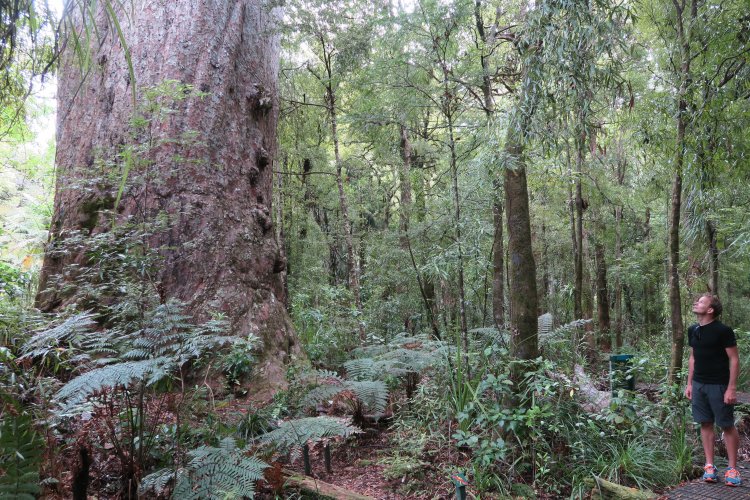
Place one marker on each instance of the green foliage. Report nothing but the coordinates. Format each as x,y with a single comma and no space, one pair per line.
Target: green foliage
20,458
403,357
238,363
372,395
292,435
211,473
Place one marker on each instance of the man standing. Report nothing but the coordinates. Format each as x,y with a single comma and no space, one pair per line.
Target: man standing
712,384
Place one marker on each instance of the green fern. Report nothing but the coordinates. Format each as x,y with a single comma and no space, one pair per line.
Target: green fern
373,395
73,332
562,331
20,456
361,369
292,435
488,336
118,375
211,473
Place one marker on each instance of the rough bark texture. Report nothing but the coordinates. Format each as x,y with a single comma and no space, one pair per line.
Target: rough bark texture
684,39
618,254
220,252
523,293
602,298
498,266
498,245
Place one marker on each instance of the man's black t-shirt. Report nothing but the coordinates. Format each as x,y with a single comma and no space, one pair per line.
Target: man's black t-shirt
709,343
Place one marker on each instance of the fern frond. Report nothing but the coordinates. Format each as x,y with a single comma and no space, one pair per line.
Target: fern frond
488,336
293,434
563,331
320,394
372,394
124,374
360,369
70,332
155,483
329,376
218,473
20,457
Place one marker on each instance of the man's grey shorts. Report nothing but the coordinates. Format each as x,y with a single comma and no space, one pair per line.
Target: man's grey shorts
708,405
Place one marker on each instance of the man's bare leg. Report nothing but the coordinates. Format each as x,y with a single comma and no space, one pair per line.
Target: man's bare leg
732,440
707,438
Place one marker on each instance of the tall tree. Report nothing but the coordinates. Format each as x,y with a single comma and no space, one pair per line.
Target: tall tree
219,252
685,14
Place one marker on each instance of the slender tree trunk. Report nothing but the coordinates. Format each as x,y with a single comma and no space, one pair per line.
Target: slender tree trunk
523,293
498,244
578,237
351,257
545,300
577,306
675,303
588,293
684,39
618,259
713,262
219,251
602,298
498,267
459,243
420,206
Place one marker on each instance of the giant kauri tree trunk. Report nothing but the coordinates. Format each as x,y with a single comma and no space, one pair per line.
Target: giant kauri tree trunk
219,250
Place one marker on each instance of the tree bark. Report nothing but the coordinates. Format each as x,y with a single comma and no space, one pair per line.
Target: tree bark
618,255
713,262
578,236
684,39
523,293
523,320
602,298
498,267
498,244
219,252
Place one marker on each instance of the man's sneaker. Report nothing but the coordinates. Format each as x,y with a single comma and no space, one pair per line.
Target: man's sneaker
709,474
732,477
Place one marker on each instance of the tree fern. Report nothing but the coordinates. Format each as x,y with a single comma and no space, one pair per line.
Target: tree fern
211,473
292,435
118,375
20,456
372,395
73,332
562,331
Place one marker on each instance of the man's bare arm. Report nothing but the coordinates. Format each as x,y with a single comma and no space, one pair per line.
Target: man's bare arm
730,396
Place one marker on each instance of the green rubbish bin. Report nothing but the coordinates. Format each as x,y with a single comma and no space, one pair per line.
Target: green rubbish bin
619,364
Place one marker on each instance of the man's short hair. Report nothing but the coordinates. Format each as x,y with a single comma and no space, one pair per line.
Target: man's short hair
715,304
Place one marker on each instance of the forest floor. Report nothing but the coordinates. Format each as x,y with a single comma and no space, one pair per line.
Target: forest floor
367,464
365,468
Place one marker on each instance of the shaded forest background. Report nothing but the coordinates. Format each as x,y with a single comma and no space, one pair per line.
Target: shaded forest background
474,186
